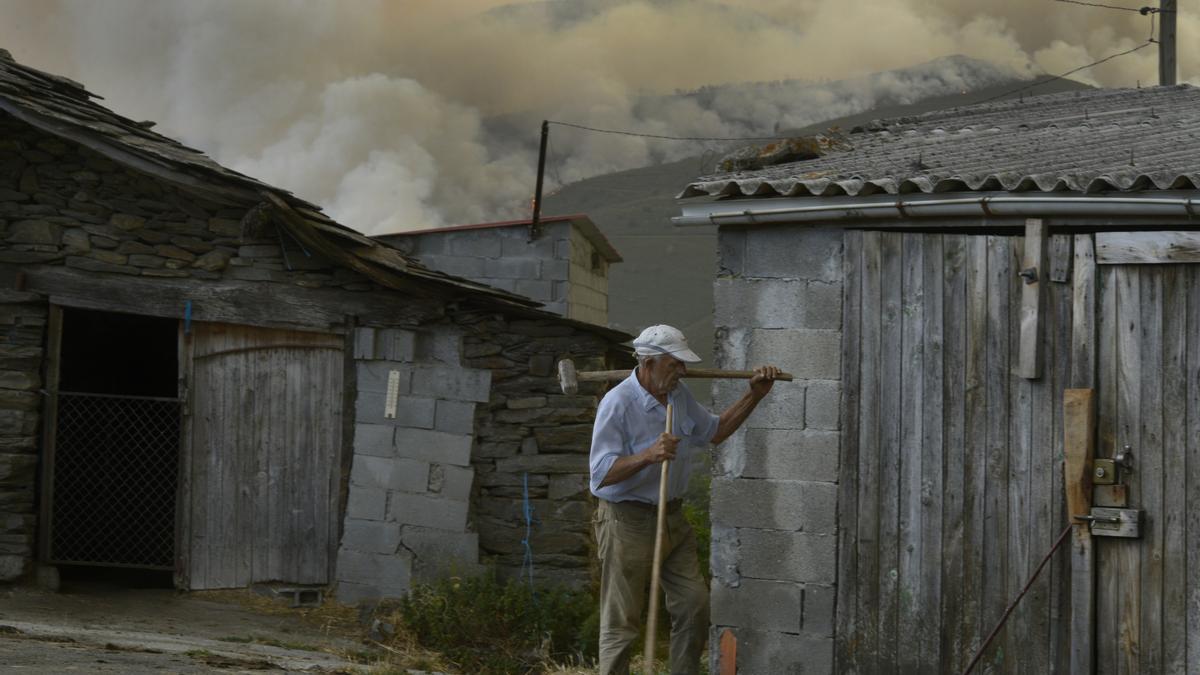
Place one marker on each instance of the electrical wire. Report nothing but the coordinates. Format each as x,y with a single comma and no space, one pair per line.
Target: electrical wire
668,138
1052,78
1141,10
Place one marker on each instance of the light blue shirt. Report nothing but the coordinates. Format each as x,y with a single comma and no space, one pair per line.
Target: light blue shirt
628,421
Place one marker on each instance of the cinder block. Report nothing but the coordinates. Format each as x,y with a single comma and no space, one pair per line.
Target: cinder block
822,405
724,555
390,473
793,253
455,265
538,289
774,504
772,653
378,570
366,503
763,605
364,343
456,417
787,454
439,553
434,446
349,593
777,303
783,408
370,536
513,267
443,514
395,344
729,458
477,243
731,251
373,376
456,482
458,384
819,604
515,242
509,285
440,345
411,411
555,270
374,439
807,354
731,347
787,556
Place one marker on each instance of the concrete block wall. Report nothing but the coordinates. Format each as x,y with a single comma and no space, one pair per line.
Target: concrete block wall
411,476
778,300
587,286
503,257
560,268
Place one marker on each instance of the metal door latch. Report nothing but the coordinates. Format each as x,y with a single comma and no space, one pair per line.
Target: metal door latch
1029,274
1106,522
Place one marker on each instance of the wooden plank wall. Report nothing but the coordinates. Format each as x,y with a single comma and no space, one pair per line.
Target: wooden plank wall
266,432
1148,597
956,485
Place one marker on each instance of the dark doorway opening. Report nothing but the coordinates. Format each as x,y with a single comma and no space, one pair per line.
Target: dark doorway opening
115,445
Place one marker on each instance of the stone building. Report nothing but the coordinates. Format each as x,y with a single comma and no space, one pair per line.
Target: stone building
980,306
563,264
204,375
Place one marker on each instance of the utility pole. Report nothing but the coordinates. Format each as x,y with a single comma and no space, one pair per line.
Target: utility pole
535,224
1166,42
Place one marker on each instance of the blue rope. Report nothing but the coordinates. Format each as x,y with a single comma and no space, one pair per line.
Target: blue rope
527,509
187,317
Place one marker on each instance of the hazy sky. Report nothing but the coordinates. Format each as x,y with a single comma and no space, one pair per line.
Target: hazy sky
385,112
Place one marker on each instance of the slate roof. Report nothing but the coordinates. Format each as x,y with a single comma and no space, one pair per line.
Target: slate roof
65,108
1101,140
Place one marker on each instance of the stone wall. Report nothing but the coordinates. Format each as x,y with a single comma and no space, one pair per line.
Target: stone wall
413,478
530,431
774,491
22,326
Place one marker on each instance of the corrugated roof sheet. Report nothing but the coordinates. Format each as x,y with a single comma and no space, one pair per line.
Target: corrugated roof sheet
1091,141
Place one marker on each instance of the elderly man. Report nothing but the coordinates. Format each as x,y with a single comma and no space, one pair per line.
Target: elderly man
629,446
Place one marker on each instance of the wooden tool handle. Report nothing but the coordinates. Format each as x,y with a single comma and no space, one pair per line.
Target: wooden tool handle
708,373
656,568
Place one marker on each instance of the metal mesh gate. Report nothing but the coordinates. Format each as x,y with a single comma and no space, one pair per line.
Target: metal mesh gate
115,471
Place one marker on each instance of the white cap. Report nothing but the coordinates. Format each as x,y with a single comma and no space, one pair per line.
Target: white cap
663,339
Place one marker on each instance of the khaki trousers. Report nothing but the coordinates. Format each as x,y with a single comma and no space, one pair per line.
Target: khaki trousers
625,539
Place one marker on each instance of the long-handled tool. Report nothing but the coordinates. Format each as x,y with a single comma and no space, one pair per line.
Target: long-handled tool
656,569
569,378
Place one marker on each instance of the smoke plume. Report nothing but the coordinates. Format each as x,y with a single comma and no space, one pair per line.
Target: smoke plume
409,114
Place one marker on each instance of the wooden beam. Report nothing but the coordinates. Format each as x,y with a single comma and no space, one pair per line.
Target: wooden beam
264,304
1147,248
1083,314
1079,431
1033,263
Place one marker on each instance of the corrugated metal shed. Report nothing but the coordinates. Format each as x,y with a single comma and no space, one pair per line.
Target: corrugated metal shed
1090,142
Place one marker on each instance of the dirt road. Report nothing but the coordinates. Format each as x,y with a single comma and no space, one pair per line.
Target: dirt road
102,629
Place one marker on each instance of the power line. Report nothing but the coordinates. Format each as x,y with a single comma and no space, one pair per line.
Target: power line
669,138
1140,10
1052,78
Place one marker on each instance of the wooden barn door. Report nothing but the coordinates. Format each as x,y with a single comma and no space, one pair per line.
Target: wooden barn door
1148,588
951,487
260,483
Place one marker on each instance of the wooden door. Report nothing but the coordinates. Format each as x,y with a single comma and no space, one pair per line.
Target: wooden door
1148,589
260,483
950,485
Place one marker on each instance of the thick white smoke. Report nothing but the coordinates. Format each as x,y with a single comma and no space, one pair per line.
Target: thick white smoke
417,113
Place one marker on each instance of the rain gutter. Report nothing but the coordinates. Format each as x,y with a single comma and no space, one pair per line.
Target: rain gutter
1004,204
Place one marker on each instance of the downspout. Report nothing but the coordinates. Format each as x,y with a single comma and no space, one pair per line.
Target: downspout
724,213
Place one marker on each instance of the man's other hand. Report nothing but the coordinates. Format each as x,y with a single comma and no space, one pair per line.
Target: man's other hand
763,380
663,449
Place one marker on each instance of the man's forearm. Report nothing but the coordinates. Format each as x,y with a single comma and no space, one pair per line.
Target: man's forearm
625,468
735,415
